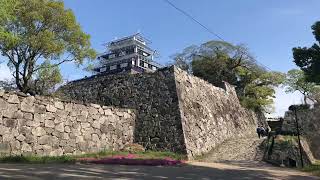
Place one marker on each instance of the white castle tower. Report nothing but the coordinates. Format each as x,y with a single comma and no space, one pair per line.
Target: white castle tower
128,55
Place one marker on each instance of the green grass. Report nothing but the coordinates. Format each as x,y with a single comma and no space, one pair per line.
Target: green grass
32,159
37,159
314,169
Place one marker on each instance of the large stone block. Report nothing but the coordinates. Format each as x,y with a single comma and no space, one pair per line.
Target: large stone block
96,124
3,104
58,120
81,118
49,124
29,100
18,115
39,117
85,125
38,131
15,132
79,139
60,127
10,111
13,99
2,92
61,113
27,107
26,147
15,145
68,107
39,108
95,138
49,115
49,130
5,148
67,129
30,139
51,108
59,105
83,146
10,123
7,138
21,138
65,136
23,129
44,140
28,116
93,111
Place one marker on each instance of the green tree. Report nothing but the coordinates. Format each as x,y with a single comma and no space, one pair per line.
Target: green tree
256,88
315,95
217,61
39,30
46,79
308,59
296,81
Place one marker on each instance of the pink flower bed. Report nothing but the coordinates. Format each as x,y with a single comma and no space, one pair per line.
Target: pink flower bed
132,159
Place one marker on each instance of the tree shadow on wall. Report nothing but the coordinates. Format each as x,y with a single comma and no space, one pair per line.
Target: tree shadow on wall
90,171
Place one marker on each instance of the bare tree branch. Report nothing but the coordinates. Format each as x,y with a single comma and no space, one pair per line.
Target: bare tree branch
53,65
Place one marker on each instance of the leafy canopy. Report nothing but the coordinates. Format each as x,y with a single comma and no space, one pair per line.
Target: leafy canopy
308,59
217,61
296,81
32,31
46,79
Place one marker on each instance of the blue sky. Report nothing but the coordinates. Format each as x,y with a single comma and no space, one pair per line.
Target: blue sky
268,28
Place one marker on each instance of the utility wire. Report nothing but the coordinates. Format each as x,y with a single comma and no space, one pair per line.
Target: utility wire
193,19
202,25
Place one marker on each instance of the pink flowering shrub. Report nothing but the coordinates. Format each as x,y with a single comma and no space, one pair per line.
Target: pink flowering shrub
132,159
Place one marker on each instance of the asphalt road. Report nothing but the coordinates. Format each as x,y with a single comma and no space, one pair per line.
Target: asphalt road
194,170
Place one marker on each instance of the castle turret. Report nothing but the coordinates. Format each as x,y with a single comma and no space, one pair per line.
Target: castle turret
127,55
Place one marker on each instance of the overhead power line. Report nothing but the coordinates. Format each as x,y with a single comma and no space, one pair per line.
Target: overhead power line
202,25
193,19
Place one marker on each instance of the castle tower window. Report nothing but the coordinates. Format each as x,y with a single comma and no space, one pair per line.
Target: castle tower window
123,53
112,56
113,67
104,69
123,65
141,64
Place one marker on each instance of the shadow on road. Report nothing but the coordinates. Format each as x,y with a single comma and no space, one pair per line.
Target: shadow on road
185,172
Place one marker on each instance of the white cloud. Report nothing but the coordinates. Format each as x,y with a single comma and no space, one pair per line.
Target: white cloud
283,100
5,73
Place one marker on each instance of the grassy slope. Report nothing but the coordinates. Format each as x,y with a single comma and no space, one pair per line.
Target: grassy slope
314,169
102,154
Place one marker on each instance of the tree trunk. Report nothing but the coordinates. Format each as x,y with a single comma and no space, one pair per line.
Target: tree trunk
305,99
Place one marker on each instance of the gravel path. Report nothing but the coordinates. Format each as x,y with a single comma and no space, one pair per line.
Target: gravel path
192,171
242,162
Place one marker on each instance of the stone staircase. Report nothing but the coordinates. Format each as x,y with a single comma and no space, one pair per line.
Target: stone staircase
240,149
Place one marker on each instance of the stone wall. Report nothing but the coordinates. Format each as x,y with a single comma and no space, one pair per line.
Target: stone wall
152,95
309,124
46,126
174,111
210,115
285,148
